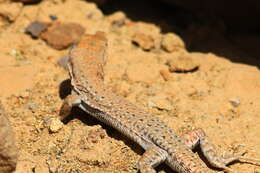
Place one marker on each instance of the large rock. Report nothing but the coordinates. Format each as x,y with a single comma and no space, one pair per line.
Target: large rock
8,150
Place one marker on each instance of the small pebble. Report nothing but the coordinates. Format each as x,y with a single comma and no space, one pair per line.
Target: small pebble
234,102
54,125
159,103
53,17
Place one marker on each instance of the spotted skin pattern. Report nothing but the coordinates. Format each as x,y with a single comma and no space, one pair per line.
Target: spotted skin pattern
160,142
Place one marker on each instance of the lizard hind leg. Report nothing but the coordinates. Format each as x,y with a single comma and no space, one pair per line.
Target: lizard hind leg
198,137
69,102
151,158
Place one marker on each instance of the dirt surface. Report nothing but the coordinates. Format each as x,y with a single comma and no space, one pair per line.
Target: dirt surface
153,70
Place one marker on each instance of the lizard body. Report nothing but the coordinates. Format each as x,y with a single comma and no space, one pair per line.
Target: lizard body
160,142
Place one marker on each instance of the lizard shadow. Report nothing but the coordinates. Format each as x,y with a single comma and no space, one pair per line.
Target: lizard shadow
85,118
64,88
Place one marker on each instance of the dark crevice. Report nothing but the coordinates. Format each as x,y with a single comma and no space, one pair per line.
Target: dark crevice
204,30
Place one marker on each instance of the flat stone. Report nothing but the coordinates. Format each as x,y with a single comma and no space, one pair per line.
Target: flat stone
62,35
182,63
36,28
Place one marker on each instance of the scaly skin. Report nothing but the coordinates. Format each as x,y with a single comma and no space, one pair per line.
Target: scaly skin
85,65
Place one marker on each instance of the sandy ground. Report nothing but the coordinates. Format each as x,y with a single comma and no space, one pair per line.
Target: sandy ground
209,92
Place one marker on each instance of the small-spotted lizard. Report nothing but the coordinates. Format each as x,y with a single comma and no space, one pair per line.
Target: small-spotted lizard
160,142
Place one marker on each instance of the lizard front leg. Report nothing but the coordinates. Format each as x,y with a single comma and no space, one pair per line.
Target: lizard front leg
198,137
69,102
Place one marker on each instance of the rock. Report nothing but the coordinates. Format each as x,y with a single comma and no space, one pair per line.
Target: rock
172,42
235,102
146,42
36,28
53,17
62,35
117,19
182,63
8,150
146,36
9,12
54,125
159,103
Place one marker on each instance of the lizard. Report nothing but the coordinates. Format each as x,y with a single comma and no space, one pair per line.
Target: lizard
8,149
160,142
